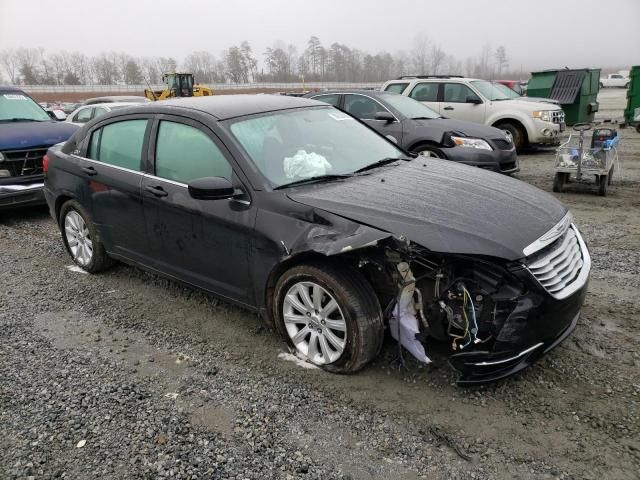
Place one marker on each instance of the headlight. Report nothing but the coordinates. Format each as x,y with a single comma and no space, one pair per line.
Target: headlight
471,143
544,115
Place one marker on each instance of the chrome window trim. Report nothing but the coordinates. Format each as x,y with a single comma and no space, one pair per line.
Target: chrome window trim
98,162
550,236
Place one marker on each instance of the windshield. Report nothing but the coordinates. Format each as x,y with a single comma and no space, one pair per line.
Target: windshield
489,90
506,90
16,106
409,107
301,144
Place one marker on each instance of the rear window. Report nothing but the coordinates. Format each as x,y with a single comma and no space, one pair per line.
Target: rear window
396,87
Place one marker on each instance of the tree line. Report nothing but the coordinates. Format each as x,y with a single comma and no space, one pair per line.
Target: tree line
241,64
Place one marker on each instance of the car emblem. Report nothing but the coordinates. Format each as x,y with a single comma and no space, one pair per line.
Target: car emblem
508,137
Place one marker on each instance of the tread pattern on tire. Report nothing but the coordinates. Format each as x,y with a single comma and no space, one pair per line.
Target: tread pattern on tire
361,304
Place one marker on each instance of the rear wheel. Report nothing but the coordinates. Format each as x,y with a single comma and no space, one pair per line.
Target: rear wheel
329,315
81,239
604,182
601,85
559,181
517,134
610,176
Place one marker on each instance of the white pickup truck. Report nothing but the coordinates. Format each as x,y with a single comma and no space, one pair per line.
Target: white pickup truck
615,80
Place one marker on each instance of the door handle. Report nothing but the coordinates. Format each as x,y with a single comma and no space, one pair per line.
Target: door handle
89,171
157,191
449,108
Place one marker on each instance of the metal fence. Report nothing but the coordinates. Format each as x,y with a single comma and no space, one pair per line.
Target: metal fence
214,86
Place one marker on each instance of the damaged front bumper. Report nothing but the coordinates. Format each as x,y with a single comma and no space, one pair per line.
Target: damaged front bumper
19,193
528,334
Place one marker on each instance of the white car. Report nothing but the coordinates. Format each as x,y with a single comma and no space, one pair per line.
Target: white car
615,80
85,113
479,101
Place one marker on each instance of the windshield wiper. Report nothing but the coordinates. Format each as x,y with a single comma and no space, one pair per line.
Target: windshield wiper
379,163
17,119
317,179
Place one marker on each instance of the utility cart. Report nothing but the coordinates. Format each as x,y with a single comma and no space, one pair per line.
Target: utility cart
582,156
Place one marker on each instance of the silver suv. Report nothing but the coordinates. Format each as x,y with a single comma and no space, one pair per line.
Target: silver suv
479,101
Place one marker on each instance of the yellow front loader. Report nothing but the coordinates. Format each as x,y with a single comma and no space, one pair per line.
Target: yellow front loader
178,85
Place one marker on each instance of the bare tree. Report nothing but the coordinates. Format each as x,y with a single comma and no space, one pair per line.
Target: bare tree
437,58
484,64
9,60
420,54
501,58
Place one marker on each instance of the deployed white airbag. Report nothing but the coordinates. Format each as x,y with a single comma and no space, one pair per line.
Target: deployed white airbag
306,165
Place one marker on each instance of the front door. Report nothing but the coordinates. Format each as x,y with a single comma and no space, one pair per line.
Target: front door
457,103
113,174
202,242
365,108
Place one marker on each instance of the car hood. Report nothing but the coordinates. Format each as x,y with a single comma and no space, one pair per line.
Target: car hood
443,206
24,135
436,127
533,103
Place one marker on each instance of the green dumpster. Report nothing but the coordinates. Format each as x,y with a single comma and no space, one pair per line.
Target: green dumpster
633,95
575,90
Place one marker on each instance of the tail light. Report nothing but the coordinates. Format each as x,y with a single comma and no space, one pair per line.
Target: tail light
45,164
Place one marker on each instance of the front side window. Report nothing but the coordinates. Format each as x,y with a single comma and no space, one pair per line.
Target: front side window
425,92
396,87
489,90
362,107
409,107
304,143
184,153
16,107
99,111
119,144
457,93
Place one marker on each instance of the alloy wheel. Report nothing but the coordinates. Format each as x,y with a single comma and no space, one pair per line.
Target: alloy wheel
428,153
78,238
314,322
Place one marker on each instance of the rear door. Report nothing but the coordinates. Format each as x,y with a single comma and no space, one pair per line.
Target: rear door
456,103
202,242
427,93
365,108
112,170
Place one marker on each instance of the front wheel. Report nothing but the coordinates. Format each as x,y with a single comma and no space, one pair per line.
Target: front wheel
559,181
329,315
518,137
81,239
604,182
428,151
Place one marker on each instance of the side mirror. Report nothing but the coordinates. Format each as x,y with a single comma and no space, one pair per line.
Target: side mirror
474,100
385,117
57,115
210,188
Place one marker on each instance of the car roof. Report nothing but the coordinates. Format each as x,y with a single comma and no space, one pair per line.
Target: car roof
109,104
117,98
9,88
224,107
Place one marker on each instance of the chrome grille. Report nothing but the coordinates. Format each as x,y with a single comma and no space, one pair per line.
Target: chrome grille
557,116
558,266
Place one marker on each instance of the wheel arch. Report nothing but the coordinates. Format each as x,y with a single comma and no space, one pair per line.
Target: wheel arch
515,122
61,200
430,143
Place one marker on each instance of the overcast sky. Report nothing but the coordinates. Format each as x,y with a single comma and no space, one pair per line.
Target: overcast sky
536,33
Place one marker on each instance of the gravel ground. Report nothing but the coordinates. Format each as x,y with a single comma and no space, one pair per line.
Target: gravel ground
127,375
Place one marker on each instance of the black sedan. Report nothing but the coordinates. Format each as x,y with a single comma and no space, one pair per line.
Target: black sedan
417,128
296,210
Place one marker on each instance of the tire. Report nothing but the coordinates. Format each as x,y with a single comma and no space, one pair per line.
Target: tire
638,128
76,224
517,134
626,85
428,151
601,85
363,329
604,182
558,182
610,176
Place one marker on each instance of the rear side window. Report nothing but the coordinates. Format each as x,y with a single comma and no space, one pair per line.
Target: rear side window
119,144
330,99
184,153
396,87
425,92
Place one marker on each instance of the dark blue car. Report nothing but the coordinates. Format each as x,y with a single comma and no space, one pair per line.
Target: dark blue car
26,132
